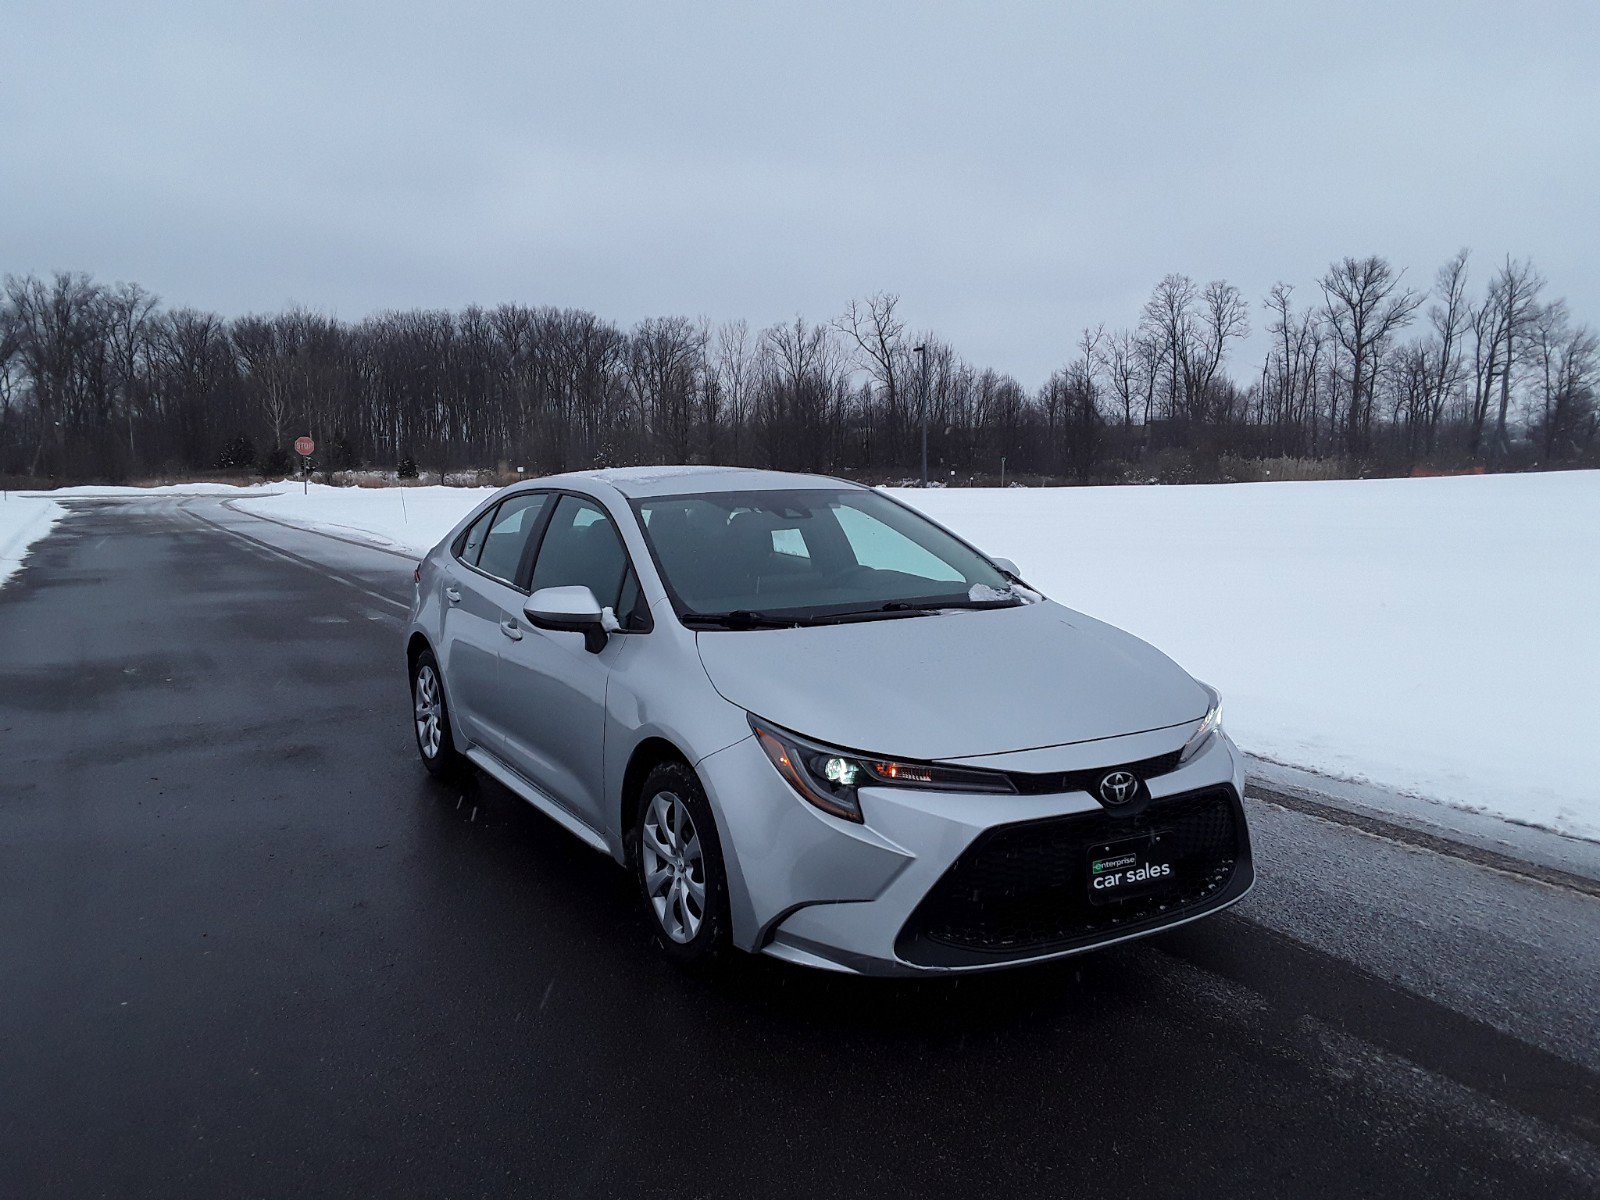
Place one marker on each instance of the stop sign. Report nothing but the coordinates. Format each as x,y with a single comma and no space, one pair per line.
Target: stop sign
303,446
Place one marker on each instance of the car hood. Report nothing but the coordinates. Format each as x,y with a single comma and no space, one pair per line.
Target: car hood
958,684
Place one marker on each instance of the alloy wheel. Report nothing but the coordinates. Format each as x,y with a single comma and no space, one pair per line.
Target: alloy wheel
674,867
429,709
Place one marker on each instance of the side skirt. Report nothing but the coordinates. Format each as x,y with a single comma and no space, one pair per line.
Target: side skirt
516,782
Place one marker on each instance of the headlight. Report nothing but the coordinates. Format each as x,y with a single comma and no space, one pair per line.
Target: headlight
1210,724
829,778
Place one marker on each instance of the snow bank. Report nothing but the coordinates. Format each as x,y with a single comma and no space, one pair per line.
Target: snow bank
1435,636
413,519
23,521
91,491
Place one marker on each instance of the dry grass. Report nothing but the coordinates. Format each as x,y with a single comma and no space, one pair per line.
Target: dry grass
1281,470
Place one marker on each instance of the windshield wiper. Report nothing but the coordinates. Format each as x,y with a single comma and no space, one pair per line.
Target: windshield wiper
739,618
995,602
744,618
884,612
933,606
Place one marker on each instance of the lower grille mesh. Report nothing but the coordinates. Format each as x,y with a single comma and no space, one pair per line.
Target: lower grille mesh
1022,889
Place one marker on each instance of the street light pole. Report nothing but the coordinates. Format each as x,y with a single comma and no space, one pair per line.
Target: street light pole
923,351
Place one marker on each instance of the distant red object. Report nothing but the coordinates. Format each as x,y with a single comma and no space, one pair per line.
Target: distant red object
303,446
1430,473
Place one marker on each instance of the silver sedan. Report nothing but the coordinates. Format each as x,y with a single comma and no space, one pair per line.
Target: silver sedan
817,725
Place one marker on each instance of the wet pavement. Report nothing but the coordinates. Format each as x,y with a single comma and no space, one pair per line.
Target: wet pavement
248,947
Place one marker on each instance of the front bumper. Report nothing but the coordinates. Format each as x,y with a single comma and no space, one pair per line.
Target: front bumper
938,883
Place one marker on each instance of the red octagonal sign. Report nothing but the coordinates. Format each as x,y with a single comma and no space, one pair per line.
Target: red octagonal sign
303,446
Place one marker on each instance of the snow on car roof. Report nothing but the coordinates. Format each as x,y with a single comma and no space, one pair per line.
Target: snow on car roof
641,482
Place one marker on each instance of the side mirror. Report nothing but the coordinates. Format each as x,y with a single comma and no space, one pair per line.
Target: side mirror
569,610
1009,567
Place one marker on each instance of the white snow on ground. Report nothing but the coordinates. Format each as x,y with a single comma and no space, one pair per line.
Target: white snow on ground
406,518
90,491
1435,636
23,521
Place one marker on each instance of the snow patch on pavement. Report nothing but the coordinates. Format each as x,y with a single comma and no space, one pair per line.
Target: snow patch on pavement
23,521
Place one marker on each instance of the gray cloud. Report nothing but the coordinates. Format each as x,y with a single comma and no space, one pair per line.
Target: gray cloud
1014,171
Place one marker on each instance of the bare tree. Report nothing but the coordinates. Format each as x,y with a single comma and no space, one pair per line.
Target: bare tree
128,324
1516,292
805,375
1168,321
1122,365
1292,374
1224,318
1564,358
878,333
1450,317
1484,321
735,367
664,367
1365,306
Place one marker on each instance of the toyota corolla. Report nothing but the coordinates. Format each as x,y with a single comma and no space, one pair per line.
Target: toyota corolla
815,724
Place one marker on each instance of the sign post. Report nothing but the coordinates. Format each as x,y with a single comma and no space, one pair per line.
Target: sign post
303,446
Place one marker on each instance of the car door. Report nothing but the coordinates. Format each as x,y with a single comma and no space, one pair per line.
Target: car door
554,690
482,609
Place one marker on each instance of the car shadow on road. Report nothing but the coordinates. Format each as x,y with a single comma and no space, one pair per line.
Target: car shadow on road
578,898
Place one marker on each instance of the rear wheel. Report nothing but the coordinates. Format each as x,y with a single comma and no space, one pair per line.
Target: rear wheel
678,861
432,719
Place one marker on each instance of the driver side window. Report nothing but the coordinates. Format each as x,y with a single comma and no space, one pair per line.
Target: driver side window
583,548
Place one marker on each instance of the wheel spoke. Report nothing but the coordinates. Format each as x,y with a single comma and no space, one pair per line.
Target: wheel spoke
675,909
659,843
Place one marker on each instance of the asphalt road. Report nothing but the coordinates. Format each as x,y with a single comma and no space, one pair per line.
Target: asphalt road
248,948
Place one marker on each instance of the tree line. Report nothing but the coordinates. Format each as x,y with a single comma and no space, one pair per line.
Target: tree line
103,382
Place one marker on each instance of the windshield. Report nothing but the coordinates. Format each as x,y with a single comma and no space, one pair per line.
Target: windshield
748,558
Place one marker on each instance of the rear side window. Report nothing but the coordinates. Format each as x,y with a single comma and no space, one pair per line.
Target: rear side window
582,548
507,538
472,540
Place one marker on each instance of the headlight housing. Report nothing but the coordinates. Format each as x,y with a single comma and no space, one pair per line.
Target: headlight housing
829,777
1210,726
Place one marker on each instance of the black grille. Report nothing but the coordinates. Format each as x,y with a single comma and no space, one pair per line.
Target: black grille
1023,889
1086,781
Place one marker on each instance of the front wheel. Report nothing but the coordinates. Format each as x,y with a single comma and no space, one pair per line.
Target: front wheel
432,719
678,861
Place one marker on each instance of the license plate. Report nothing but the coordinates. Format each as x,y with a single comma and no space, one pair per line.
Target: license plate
1128,867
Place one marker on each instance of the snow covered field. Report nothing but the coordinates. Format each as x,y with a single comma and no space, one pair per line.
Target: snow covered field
23,521
407,518
1435,636
1439,637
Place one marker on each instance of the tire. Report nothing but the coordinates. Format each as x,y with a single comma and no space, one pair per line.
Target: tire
677,860
431,719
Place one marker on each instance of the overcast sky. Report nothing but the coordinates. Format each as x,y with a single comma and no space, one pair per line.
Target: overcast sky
1013,171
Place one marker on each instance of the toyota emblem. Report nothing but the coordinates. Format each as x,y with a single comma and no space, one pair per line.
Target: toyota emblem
1118,787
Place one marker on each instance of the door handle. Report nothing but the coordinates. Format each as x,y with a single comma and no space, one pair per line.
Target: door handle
510,629
453,595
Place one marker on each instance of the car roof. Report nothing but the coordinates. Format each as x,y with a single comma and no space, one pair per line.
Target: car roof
639,483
